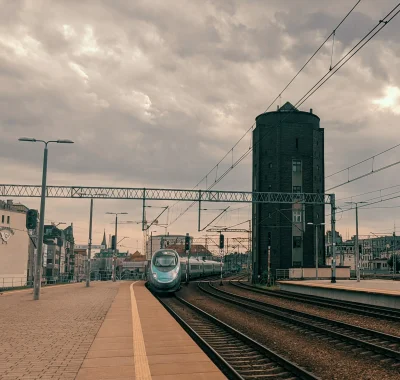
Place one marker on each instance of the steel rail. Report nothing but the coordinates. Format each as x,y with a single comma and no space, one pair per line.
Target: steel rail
221,363
348,306
234,345
339,330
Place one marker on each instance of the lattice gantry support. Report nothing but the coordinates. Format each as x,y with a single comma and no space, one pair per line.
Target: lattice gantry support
144,194
29,191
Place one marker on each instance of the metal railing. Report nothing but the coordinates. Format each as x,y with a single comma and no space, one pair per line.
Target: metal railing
282,274
7,283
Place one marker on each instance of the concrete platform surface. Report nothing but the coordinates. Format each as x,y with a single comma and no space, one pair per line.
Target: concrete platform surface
107,331
384,293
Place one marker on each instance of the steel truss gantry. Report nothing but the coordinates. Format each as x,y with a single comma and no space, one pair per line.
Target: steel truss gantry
34,191
162,194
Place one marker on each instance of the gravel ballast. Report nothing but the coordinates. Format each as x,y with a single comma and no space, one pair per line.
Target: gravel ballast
323,357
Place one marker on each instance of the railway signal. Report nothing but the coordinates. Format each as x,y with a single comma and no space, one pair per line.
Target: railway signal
31,219
221,241
187,242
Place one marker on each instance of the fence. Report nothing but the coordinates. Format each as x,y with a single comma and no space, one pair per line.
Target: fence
7,283
22,282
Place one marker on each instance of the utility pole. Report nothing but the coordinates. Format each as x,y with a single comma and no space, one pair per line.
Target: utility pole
357,249
394,256
114,258
89,245
316,246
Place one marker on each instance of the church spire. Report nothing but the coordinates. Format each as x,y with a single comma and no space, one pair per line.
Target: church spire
104,242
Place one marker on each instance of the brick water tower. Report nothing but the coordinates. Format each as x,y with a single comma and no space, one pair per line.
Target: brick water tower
288,157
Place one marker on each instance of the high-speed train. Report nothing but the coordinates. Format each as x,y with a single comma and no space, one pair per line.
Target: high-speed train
167,270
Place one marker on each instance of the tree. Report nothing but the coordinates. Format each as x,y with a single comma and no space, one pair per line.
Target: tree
390,262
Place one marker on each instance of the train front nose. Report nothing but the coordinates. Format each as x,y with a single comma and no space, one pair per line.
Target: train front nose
166,281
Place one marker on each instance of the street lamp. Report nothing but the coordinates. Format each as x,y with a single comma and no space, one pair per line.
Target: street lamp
356,242
38,270
116,239
316,245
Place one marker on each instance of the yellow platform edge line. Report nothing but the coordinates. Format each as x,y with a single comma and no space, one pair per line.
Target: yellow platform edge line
142,369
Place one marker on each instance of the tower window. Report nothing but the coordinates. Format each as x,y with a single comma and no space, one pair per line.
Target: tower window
2,219
8,219
296,189
296,164
296,241
297,216
297,143
270,165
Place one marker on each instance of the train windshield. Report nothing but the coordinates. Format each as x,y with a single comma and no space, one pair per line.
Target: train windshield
164,259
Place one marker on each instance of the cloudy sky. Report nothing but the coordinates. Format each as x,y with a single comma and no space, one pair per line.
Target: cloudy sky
154,93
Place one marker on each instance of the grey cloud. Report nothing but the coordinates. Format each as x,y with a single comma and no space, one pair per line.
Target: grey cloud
171,89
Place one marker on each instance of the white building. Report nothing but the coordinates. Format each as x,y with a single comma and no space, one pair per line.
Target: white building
14,242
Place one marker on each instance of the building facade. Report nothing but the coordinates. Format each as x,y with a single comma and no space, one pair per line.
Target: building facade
288,156
14,242
156,242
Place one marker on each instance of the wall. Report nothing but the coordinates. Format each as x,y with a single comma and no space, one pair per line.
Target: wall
323,273
14,245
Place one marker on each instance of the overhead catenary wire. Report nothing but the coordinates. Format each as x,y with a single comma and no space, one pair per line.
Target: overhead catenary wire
381,24
230,151
365,160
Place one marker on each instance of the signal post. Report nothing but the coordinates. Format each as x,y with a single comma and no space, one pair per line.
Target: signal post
31,226
221,247
187,250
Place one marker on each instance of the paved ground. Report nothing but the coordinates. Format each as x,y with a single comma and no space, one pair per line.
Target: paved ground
63,325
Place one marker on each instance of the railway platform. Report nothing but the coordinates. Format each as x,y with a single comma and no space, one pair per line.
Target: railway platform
107,331
384,293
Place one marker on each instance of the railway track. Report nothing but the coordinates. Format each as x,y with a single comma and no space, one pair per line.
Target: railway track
380,346
350,307
237,355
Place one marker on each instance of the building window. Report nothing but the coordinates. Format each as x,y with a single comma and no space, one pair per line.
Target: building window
8,219
2,219
297,143
297,216
270,165
269,215
296,241
296,166
297,189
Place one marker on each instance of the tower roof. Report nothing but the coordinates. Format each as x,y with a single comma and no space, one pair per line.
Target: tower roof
288,107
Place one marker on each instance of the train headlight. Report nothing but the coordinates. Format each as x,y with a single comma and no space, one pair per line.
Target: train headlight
155,275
